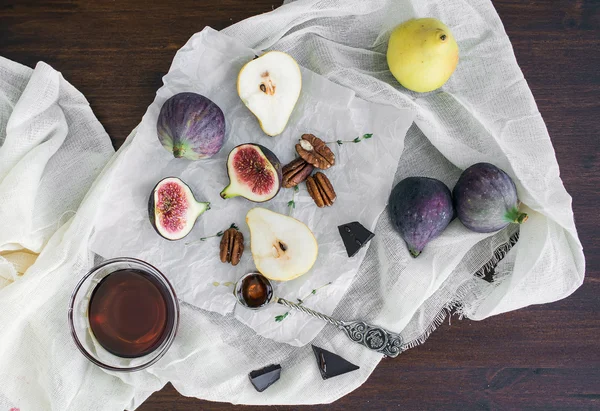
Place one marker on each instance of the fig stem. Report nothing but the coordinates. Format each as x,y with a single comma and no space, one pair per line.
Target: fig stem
225,193
515,216
356,140
178,151
280,318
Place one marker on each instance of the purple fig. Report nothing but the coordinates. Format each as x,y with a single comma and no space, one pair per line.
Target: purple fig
254,173
485,199
420,209
173,210
191,126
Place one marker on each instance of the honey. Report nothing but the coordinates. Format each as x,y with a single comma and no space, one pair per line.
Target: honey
256,290
129,314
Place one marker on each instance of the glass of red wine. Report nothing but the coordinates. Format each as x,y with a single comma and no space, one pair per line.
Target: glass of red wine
123,315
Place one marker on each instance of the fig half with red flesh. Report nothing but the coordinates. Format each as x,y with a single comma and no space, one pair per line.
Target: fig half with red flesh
254,173
173,209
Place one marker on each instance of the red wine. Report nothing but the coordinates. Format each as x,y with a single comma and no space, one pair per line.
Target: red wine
129,313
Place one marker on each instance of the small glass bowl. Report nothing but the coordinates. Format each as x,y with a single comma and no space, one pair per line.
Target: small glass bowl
238,291
80,326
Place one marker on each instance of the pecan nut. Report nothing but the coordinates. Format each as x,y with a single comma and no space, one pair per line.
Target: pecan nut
296,172
314,151
232,246
320,189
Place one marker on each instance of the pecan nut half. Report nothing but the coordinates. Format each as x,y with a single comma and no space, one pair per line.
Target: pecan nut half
314,151
320,189
296,172
232,246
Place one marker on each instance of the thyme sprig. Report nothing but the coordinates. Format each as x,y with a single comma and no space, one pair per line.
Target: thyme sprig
356,140
292,203
219,234
280,318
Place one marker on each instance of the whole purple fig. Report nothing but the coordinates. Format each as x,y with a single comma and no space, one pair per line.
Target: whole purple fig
191,126
420,209
485,199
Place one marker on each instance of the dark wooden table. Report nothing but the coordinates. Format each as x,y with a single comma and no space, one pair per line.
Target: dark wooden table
545,357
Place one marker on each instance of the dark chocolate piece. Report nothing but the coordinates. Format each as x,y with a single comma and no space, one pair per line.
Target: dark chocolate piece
332,365
265,377
355,236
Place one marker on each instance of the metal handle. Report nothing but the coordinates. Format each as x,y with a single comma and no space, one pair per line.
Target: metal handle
372,337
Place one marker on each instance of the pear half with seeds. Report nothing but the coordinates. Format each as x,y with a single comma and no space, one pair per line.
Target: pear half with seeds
270,86
283,248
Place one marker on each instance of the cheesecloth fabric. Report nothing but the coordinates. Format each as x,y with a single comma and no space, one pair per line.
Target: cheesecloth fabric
53,151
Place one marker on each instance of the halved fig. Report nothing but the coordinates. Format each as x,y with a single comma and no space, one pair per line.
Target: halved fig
173,209
254,173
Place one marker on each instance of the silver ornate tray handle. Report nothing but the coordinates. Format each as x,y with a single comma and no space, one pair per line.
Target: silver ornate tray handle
373,337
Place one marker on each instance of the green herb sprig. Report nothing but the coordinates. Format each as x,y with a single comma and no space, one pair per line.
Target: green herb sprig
356,140
219,234
292,203
280,318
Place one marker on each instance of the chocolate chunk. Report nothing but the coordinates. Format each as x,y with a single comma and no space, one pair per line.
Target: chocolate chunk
265,377
332,365
355,236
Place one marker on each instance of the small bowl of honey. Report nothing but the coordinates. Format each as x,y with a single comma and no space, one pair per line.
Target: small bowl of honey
253,291
123,315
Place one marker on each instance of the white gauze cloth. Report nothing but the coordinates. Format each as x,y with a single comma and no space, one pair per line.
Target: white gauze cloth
53,148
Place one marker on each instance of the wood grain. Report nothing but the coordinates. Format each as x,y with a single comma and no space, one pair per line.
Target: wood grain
541,357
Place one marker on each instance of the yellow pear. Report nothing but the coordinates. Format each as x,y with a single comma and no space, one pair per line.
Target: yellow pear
422,54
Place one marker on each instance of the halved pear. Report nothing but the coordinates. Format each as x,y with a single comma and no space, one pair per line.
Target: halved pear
270,86
283,248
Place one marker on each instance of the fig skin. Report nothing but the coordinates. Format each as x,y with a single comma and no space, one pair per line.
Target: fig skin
191,126
274,162
420,209
271,157
485,198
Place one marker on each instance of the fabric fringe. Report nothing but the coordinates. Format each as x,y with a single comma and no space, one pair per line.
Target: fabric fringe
486,272
439,319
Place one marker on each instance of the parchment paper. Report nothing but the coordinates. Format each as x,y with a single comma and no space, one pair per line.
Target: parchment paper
362,177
